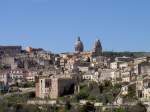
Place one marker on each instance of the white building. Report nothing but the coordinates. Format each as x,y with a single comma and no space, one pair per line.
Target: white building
17,75
126,76
125,90
114,65
123,65
146,93
92,76
4,77
30,76
4,80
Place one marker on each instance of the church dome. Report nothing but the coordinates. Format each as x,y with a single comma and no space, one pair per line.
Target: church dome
79,45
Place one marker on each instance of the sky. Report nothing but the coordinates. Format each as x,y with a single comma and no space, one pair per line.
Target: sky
121,25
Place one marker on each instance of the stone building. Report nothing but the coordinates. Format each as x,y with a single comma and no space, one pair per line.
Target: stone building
4,77
141,59
7,60
10,50
143,88
30,75
114,65
35,50
124,59
126,76
139,86
53,86
142,68
4,80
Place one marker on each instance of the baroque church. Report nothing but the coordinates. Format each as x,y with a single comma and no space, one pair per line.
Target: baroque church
96,51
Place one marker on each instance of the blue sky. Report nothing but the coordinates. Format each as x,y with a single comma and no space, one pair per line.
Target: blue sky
121,25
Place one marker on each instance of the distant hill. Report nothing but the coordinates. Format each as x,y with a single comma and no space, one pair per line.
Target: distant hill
125,53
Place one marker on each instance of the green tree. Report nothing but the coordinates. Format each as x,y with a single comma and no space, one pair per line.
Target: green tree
67,105
119,110
82,95
88,107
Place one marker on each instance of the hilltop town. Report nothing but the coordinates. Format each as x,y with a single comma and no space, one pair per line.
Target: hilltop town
78,81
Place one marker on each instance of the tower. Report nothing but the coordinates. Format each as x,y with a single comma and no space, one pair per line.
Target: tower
97,50
79,46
